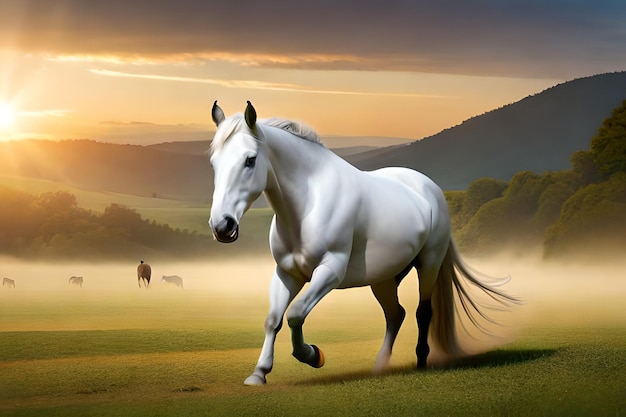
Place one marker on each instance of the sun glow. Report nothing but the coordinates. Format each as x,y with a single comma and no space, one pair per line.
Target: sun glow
7,116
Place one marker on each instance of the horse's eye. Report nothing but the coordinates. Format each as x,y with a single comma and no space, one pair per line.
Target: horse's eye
250,162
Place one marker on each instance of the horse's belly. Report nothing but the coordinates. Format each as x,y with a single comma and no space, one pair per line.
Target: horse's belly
377,264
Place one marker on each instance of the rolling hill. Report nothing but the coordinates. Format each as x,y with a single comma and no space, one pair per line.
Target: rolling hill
538,133
126,169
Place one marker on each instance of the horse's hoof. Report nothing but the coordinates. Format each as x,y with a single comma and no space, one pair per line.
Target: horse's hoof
380,367
255,379
382,363
318,361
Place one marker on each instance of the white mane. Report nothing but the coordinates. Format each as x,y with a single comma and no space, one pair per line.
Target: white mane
296,128
237,123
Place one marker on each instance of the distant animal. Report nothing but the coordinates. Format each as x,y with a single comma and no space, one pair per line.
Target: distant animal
76,281
8,282
338,227
144,272
173,279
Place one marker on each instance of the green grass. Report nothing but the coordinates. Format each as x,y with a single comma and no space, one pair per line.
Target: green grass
582,378
167,352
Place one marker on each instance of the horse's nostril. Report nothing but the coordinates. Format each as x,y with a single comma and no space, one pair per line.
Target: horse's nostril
227,230
230,224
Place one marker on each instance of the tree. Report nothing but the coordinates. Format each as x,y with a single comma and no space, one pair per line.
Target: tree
559,187
592,220
481,191
609,145
52,225
514,214
585,168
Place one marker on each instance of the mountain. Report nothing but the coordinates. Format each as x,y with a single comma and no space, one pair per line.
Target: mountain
538,133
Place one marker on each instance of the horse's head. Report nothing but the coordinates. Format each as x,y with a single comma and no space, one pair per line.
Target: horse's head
240,167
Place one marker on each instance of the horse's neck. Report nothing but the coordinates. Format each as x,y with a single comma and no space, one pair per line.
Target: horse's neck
293,162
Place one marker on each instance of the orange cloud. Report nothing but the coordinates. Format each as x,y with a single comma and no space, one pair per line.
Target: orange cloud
256,85
518,39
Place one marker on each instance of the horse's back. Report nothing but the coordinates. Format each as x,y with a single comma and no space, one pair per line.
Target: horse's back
426,189
171,278
144,271
75,279
416,181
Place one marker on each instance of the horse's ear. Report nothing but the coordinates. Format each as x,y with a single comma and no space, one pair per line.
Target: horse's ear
250,116
217,114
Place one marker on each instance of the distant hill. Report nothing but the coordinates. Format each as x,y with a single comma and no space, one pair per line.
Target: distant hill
198,147
341,145
125,169
538,133
338,143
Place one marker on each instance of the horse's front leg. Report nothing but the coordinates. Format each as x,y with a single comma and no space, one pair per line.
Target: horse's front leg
283,289
324,279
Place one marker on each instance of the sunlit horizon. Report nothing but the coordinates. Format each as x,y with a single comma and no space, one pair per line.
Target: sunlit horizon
7,116
385,70
136,103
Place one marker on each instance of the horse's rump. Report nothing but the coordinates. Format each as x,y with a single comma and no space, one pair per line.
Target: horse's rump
144,271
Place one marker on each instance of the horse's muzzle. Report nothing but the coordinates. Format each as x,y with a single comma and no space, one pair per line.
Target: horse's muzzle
226,231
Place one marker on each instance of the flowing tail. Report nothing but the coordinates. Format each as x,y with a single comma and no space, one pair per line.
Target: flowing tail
443,329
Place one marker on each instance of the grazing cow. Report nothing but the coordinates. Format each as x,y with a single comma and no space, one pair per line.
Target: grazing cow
173,279
8,282
144,272
76,281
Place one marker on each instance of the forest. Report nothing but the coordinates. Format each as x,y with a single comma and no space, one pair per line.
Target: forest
53,226
577,212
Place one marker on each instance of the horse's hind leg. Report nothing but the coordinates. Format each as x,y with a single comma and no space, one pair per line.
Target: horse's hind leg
424,315
387,295
429,263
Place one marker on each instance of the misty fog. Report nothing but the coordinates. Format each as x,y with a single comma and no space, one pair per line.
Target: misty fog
235,291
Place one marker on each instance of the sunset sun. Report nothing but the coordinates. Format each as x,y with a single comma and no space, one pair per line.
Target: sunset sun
7,116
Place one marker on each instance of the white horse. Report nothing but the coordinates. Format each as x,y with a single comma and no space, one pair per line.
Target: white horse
76,281
173,279
338,227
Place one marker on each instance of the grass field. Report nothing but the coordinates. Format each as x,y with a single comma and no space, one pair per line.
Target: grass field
111,349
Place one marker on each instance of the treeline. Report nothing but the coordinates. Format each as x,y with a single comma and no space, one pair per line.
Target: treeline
580,211
53,226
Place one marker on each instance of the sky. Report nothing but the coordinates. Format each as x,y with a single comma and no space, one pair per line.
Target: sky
147,71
